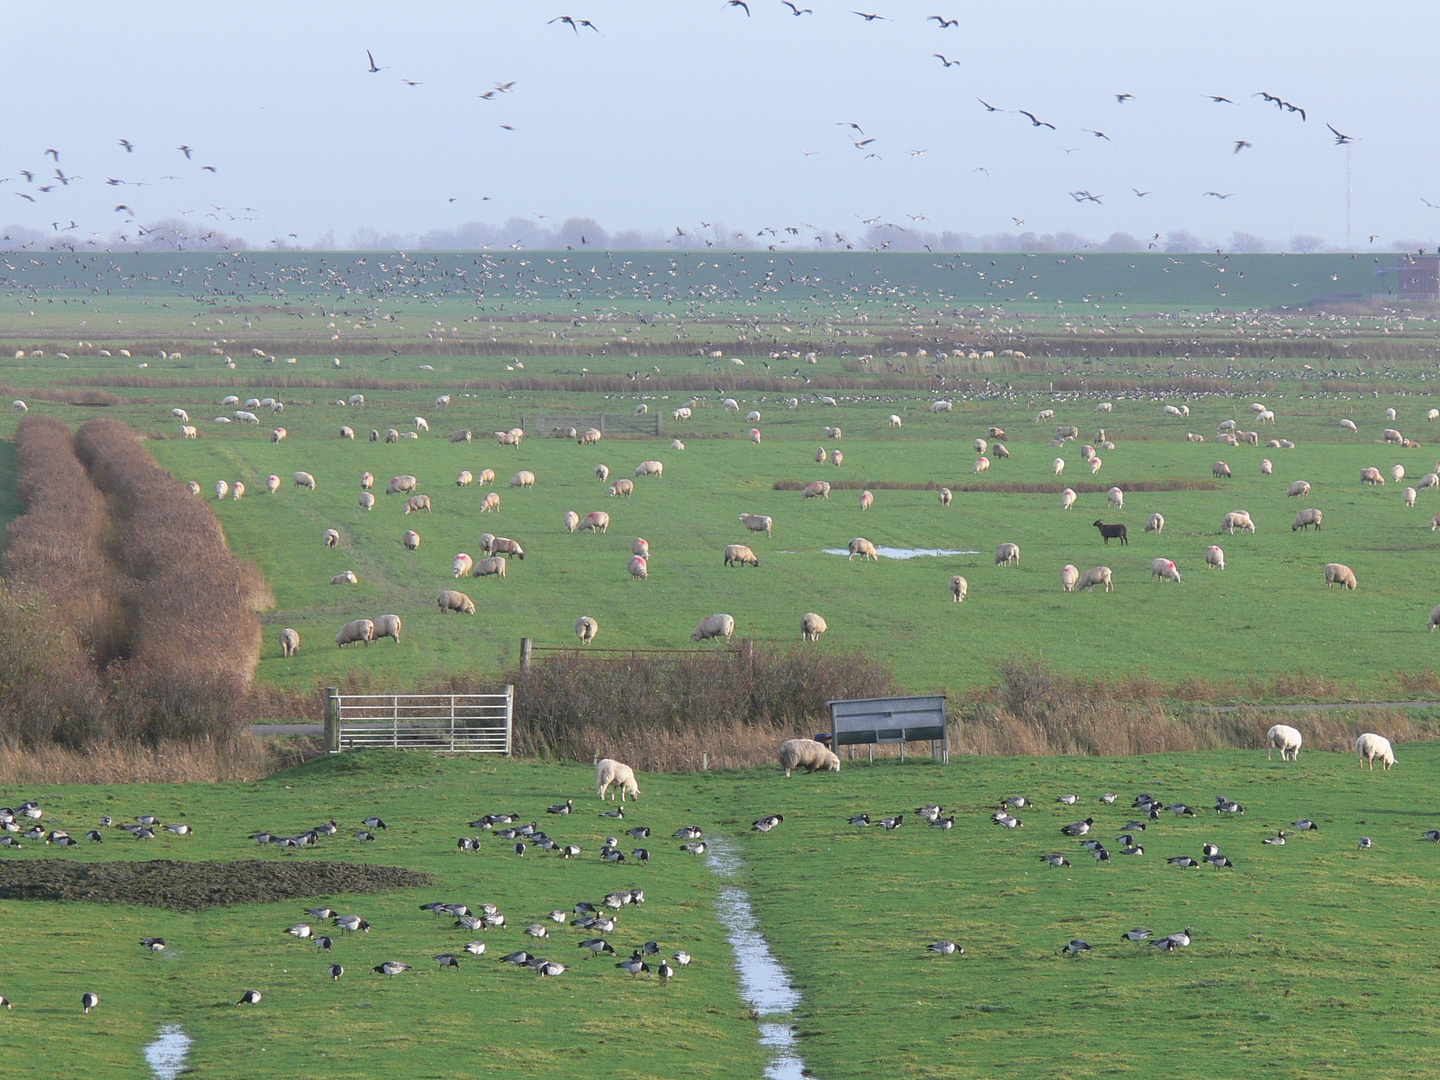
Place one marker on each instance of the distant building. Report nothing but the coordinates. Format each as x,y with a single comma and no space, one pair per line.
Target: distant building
1419,278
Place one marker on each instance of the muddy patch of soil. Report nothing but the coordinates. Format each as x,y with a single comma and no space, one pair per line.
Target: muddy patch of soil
194,886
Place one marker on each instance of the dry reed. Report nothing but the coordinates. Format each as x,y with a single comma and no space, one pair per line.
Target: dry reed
119,762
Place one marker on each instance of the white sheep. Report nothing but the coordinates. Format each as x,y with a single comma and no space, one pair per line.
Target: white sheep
1409,495
1215,557
1434,619
834,433
836,458
757,523
1007,555
1305,519
1095,464
1298,488
188,431
867,500
195,490
1156,524
1286,739
812,626
450,600
816,489
1045,414
1164,570
304,480
494,566
1116,498
1339,574
367,501
1069,575
272,483
484,476
1371,475
754,435
1433,414
981,446
572,521
465,479
347,432
1389,414
650,468
1067,499
982,464
639,568
523,479
599,521
289,642
388,626
809,755
178,414
1096,575
864,548
1371,746
222,488
1058,466
821,455
946,495
400,484
416,503
1265,467
464,435
1220,469
895,420
411,540
1390,435
346,578
462,565
623,487
1348,425
959,589
735,555
331,538
586,628
1397,473
1237,519
681,414
609,771
278,434
442,401
602,473
731,405
356,630
589,437
640,546
421,424
713,626
1105,406
941,406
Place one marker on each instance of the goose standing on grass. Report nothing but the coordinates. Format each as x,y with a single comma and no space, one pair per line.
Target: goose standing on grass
683,958
766,823
688,832
639,832
1166,944
943,823
374,823
1108,798
1004,820
666,973
1075,947
1365,842
596,946
6,1002
180,830
351,923
323,943
390,968
154,944
1279,839
336,970
1432,834
1227,806
519,958
536,930
1140,933
301,931
550,968
1184,861
89,1001
1209,849
1068,800
320,913
697,848
635,965
1015,802
892,823
94,835
617,814
475,948
1305,825
1055,859
558,916
642,854
930,812
1181,938
1077,828
561,808
448,960
1219,861
249,997
945,948
860,820
1132,849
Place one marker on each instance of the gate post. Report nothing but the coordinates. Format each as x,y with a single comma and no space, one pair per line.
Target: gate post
332,719
509,717
525,645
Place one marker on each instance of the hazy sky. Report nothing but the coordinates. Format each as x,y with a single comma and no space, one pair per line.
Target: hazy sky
679,112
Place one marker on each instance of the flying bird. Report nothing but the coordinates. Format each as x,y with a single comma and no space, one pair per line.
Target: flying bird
54,154
988,106
1217,194
1097,134
739,4
129,146
411,82
1018,221
24,196
944,22
797,11
122,206
1218,99
1035,121
573,23
1427,202
29,176
1138,193
208,168
863,143
947,63
1122,98
373,68
850,124
1340,140
868,17
186,150
1241,144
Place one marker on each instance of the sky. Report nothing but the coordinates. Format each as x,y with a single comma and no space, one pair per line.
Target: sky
677,113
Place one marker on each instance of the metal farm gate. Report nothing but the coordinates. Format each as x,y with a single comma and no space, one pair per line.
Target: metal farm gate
443,723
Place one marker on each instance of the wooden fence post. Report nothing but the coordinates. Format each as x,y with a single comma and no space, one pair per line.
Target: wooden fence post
332,719
526,644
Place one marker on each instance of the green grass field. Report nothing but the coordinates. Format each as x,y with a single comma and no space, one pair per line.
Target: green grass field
1310,959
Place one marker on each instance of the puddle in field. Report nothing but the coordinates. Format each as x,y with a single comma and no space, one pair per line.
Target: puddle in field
166,1055
904,553
763,982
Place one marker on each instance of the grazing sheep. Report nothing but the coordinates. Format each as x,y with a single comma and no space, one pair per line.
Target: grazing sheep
713,626
1164,570
1286,739
289,642
959,588
1429,480
1220,469
1171,410
609,771
1113,532
1058,466
946,495
450,600
462,565
812,626
356,630
586,628
356,399
1095,464
1371,475
1409,494
1389,414
411,540
178,414
602,473
997,433
834,433
599,521
639,568
1265,416
1214,557
367,481
332,538
417,502
681,414
1237,519
836,458
572,521
491,503
501,545
809,755
1105,406
278,434
895,421
1339,574
1000,451
1067,499
523,479
1067,431
1397,473
1190,436
816,488
388,626
1087,452
941,406
1068,577
1096,575
641,409
485,476
867,500
1305,519
392,435
465,479
1299,487
650,468
982,464
195,488
821,454
591,436
738,555
1007,555
487,541
272,483
244,417
757,523
1156,524
640,546
1116,498
1371,746
981,446
623,487
863,547
189,431
1044,414
237,490
367,501
494,566
347,578
222,488
1433,414
1348,425
1390,435
347,432
400,484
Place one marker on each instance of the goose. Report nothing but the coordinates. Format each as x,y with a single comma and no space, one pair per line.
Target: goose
666,973
650,948
639,832
612,855
520,849
1144,799
1068,800
1166,944
1091,845
180,830
35,833
6,1002
261,837
351,923
320,913
249,997
1430,834
536,930
634,965
1209,849
1228,807
1279,839
374,823
493,919
1011,822
504,819
466,843
446,959
945,948
336,970
1015,802
604,923
1219,861
64,840
612,842
519,958
1075,947
475,948
301,931
1101,855
1305,825
584,907
1077,828
768,822
569,851
323,943
105,819
616,900
688,832
1140,933
10,841
1365,842
329,829
596,945
1108,798
1181,939
88,1001
526,830
390,968
637,896
642,854
860,820
892,823
154,944
617,814
144,834
1182,861
682,958
9,825
944,822
364,835
1180,809
1132,849
143,819
561,808
551,968
470,922
1131,826
558,916
929,812
697,848
436,907
94,836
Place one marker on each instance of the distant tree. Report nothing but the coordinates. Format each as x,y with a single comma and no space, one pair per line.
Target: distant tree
1122,241
1248,243
1303,245
1183,240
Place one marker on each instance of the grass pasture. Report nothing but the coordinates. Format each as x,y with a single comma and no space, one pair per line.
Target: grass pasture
1311,959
